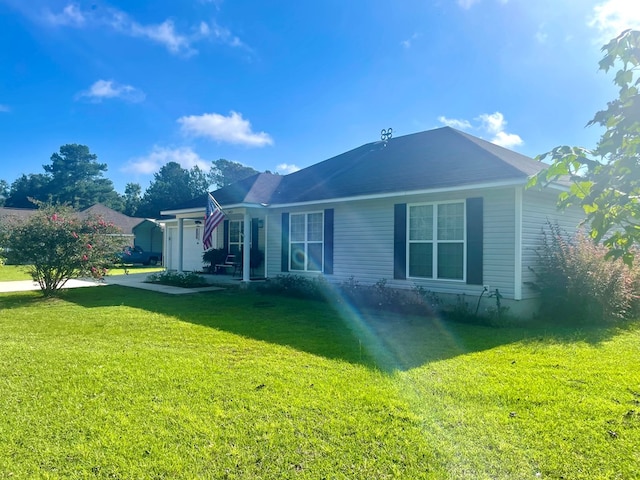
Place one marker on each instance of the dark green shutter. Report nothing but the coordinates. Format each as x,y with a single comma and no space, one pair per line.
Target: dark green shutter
475,233
328,241
284,249
400,241
254,236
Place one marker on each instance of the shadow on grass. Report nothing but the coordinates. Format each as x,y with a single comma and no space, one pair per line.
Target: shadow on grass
378,340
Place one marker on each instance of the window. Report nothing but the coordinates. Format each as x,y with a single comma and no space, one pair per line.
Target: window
436,240
236,237
306,242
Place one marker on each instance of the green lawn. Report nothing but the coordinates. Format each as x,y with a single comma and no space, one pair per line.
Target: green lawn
10,273
113,382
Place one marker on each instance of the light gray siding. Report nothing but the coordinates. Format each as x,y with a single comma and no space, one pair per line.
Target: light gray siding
363,241
538,208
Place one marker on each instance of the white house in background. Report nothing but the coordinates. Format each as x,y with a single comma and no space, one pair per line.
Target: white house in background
441,209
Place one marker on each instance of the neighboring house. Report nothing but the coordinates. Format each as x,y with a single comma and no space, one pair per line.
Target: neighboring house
441,209
142,232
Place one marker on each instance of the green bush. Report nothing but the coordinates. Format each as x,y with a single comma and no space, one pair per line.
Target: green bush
578,282
178,279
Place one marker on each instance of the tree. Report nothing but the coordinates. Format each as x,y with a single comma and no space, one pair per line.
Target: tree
132,198
56,245
171,186
4,192
26,187
225,172
76,179
605,181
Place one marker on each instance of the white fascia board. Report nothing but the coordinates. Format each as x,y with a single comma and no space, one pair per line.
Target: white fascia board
201,210
375,196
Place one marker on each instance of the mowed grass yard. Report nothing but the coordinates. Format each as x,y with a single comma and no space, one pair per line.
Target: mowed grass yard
113,382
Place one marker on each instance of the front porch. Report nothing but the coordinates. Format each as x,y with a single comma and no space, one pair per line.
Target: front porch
241,235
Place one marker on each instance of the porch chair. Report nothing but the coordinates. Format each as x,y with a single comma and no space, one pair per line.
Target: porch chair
229,263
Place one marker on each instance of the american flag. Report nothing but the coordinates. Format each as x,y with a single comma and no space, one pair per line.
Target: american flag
212,219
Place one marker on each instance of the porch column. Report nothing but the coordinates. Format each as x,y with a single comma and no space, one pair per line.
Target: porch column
180,243
246,249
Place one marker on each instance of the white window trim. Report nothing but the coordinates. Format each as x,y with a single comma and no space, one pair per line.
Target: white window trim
435,241
240,241
306,241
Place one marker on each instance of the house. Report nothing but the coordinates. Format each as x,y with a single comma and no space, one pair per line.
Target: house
142,232
441,209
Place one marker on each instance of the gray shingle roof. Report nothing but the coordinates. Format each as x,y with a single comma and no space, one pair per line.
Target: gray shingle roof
440,158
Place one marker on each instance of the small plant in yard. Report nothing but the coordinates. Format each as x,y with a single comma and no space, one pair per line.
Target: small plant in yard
295,286
178,279
577,281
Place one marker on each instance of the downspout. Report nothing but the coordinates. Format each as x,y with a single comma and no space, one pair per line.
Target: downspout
517,288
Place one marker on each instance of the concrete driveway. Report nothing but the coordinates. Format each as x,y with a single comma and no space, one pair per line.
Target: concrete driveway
135,280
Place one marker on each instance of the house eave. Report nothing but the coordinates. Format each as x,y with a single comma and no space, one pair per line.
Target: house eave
377,196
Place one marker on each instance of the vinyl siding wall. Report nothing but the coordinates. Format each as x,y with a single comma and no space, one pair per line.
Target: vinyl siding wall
539,207
363,241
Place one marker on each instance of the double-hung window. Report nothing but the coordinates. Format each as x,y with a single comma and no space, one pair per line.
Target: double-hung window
306,244
437,240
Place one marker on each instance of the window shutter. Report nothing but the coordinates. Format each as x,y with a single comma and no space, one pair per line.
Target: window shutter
400,241
328,241
254,236
475,231
225,234
284,248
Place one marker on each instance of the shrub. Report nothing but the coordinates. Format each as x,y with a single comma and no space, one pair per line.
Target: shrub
577,281
213,257
55,245
178,279
295,286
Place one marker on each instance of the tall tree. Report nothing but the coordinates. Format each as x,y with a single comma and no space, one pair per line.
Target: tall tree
34,186
4,191
132,198
606,180
171,186
77,179
225,172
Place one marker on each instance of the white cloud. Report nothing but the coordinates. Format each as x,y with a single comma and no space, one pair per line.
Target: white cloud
285,168
109,89
409,41
455,123
160,156
4,108
165,33
495,124
611,17
467,4
231,129
492,124
71,16
222,35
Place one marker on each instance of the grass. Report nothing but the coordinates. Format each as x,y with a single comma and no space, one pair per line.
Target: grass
113,382
10,273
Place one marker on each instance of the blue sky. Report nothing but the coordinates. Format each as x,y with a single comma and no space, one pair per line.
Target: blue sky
282,85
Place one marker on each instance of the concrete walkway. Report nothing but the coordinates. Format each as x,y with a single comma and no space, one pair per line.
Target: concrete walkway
135,280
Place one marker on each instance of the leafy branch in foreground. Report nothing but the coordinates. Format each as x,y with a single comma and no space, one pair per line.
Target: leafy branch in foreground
605,181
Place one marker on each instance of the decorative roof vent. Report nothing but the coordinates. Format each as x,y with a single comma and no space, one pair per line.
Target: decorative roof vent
385,135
